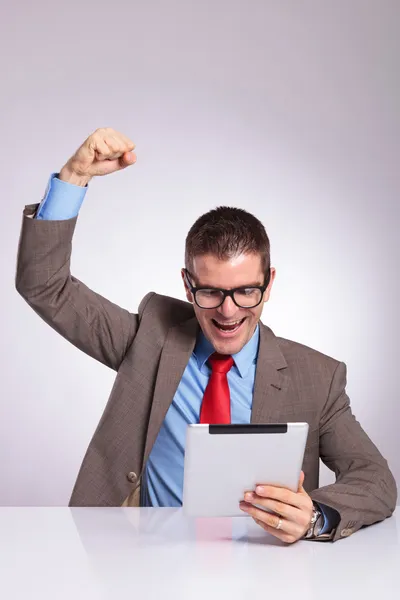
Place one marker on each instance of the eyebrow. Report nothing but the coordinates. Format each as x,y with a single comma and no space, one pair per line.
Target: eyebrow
214,287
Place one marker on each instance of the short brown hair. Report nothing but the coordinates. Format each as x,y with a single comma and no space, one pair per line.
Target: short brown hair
226,232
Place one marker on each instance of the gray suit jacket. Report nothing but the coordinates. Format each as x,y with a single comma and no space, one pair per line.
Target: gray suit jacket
150,350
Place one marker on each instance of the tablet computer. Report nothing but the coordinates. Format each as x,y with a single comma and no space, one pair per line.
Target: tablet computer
222,462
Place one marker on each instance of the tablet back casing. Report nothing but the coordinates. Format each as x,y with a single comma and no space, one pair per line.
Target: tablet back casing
222,462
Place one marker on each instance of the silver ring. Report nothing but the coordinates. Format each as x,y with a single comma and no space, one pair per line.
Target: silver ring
279,525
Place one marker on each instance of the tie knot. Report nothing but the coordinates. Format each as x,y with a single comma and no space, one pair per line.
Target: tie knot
220,363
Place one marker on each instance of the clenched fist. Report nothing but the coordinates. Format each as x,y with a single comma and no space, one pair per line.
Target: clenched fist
104,152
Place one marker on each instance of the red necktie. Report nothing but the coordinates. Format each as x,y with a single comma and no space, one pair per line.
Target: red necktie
216,405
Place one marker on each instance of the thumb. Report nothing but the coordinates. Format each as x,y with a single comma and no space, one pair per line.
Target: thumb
128,158
301,481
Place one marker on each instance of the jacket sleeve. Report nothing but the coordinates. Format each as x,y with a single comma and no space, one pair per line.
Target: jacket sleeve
365,490
92,323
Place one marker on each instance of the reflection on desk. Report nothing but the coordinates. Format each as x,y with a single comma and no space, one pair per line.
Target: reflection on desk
96,553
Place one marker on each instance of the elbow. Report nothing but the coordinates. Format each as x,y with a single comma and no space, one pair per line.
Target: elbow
23,289
388,490
393,494
19,286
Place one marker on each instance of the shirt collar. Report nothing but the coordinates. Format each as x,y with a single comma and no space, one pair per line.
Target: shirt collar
243,359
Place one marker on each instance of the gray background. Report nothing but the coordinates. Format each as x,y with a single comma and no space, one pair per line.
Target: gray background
288,109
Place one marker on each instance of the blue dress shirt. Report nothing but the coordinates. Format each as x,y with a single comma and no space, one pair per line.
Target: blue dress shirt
61,200
162,480
163,475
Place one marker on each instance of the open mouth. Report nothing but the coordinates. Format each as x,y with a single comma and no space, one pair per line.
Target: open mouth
228,328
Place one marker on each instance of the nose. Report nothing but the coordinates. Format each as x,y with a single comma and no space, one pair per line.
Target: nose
228,308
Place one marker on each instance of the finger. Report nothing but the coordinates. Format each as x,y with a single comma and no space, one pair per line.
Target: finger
122,139
122,151
101,149
116,147
128,158
107,150
301,481
268,518
120,144
129,145
278,533
285,510
106,164
287,528
281,495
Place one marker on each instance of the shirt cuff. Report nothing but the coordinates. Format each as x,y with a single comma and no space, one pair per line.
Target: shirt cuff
331,518
61,201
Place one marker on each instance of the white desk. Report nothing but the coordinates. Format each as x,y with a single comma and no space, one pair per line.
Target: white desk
118,553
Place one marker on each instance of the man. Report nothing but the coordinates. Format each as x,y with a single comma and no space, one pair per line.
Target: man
168,357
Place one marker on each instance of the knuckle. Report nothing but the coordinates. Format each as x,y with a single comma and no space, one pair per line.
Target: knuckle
285,496
102,150
290,539
306,518
304,522
114,145
299,530
278,507
111,147
96,140
260,523
283,511
272,520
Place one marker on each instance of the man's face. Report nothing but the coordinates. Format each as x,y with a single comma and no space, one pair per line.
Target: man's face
242,271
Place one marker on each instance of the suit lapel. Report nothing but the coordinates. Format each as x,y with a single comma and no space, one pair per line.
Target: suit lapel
270,387
271,383
175,355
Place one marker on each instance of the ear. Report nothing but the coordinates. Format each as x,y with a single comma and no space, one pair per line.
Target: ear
271,283
188,293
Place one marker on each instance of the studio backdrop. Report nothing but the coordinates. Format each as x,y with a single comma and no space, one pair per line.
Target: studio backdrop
287,109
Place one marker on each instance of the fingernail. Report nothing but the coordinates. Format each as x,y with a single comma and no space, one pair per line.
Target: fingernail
260,489
243,506
248,496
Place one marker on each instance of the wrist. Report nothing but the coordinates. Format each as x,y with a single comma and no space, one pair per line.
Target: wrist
69,176
316,522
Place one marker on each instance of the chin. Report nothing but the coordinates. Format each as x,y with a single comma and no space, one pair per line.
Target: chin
228,346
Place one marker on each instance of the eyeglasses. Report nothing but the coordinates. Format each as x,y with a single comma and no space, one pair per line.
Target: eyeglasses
243,297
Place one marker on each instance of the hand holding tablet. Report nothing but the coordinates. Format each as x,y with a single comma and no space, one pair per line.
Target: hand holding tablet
233,470
292,511
222,462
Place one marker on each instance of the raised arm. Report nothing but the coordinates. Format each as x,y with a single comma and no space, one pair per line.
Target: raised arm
95,325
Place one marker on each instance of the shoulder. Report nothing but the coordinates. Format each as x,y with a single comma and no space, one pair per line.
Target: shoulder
300,357
311,370
166,309
296,351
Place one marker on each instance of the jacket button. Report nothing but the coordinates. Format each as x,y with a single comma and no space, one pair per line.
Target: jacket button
132,477
346,532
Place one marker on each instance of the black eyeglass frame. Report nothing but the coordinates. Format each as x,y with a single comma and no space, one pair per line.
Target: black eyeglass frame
226,293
